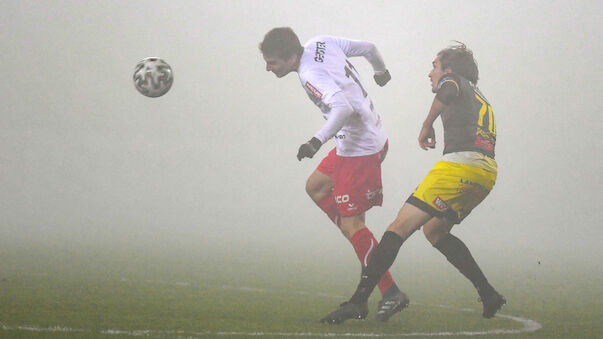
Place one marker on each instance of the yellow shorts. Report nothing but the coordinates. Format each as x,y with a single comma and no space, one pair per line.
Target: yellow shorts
451,190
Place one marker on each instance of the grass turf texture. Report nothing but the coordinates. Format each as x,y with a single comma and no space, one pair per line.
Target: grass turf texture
87,291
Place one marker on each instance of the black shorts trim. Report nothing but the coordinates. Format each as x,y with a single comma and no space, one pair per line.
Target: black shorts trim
448,214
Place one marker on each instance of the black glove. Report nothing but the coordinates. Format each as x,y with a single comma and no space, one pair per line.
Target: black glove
308,149
383,78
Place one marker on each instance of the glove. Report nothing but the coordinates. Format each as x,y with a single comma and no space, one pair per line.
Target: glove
308,149
383,78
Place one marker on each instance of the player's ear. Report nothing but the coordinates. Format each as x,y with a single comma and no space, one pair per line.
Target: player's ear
292,58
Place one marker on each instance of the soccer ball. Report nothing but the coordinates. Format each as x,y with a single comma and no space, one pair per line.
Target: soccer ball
153,77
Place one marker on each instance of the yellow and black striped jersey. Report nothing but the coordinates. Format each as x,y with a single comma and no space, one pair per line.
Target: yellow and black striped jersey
468,118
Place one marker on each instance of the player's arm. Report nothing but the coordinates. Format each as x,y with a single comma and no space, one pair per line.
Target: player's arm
448,90
369,51
341,111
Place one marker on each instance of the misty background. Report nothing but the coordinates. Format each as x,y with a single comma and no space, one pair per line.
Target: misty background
88,162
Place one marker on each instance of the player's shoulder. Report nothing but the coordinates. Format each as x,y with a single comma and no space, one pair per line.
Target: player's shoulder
449,77
313,74
324,40
321,37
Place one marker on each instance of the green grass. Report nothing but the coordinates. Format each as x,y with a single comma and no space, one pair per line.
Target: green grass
181,292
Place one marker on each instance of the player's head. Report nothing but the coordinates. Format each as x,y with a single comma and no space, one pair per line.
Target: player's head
459,59
281,50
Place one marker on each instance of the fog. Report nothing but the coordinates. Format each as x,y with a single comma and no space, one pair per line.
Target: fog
84,158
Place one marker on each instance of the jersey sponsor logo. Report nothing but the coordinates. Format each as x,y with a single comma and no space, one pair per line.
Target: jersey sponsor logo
466,181
483,143
341,199
370,195
315,92
474,185
319,54
440,203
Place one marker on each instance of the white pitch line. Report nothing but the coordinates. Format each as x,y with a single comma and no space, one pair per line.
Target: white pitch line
528,326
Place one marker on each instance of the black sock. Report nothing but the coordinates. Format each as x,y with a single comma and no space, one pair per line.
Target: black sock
392,290
381,260
458,255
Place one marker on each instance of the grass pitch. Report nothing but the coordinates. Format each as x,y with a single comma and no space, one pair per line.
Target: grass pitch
74,290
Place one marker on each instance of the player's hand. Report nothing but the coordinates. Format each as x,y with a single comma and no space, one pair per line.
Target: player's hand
308,149
427,137
382,78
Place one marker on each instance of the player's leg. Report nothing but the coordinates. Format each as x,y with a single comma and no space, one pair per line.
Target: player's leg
350,225
437,232
413,214
409,219
358,187
364,243
319,187
455,191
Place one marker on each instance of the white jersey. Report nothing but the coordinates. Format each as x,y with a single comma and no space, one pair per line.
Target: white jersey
324,72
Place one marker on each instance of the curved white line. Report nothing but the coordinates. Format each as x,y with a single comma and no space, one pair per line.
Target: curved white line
528,326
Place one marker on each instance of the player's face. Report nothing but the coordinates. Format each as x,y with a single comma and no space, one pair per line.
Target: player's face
436,73
280,67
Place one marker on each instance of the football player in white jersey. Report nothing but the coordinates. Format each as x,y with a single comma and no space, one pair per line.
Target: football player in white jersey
347,182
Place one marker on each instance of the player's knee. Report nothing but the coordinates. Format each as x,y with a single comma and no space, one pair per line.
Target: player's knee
313,187
310,187
317,190
350,225
428,235
432,235
403,229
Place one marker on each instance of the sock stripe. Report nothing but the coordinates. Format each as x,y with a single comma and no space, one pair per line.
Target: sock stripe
368,252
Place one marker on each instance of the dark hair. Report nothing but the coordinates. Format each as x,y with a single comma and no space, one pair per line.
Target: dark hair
281,42
460,60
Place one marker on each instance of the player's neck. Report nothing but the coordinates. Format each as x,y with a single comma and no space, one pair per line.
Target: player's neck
296,64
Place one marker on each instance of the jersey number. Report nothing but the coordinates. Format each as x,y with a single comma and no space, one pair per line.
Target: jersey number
349,73
486,108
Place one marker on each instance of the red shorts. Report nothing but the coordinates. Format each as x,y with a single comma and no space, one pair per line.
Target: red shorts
356,181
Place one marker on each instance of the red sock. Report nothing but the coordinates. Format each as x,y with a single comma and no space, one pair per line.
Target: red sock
328,205
364,243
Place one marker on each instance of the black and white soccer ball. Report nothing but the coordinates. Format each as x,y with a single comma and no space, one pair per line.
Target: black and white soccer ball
153,77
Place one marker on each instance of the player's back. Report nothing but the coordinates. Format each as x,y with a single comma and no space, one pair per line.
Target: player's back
324,57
